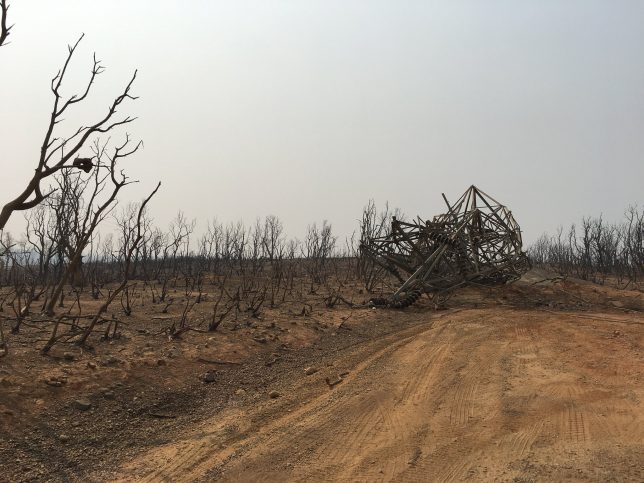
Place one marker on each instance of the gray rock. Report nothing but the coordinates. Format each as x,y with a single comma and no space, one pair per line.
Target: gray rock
333,381
274,394
209,377
82,404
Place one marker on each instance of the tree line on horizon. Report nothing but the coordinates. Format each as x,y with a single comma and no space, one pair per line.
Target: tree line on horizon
595,250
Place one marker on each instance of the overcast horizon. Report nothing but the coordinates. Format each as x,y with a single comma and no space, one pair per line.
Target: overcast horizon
306,110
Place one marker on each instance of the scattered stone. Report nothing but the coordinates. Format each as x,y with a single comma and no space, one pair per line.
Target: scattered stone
110,360
69,356
209,377
63,438
82,404
260,339
161,362
108,395
333,381
240,392
76,424
616,303
617,333
91,365
54,383
310,370
142,331
274,394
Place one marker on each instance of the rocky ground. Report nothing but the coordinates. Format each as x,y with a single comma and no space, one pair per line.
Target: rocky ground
541,380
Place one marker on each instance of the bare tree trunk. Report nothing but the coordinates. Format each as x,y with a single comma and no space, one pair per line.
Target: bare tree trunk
4,28
63,148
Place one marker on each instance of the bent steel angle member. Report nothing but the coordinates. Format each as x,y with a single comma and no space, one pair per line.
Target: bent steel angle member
477,241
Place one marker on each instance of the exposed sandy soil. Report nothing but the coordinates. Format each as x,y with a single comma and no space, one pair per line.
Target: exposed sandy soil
529,382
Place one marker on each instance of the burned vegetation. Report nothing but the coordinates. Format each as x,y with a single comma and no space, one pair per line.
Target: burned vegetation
66,278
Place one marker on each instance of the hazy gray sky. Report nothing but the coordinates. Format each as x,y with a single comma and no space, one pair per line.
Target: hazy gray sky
306,109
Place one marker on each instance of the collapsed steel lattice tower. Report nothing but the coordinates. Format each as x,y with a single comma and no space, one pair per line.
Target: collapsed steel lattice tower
476,242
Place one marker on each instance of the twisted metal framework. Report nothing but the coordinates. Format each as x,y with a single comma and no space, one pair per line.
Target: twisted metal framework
476,242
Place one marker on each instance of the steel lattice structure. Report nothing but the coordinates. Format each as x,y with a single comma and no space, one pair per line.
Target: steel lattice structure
476,242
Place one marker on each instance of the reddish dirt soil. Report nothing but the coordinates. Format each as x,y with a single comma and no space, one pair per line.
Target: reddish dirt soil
537,381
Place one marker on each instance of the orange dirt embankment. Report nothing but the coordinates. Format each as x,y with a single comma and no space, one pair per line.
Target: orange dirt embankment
487,394
542,380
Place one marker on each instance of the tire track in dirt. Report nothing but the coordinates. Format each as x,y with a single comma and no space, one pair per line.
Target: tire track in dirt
462,408
451,452
169,462
479,395
384,437
574,425
519,443
616,422
573,419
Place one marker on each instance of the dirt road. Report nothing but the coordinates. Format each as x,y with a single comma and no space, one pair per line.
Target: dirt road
481,394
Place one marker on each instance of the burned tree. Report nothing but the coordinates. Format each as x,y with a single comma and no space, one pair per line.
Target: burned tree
595,250
373,224
4,28
130,253
106,180
58,152
476,242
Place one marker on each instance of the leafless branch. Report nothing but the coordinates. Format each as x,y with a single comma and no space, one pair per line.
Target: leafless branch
66,148
4,28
